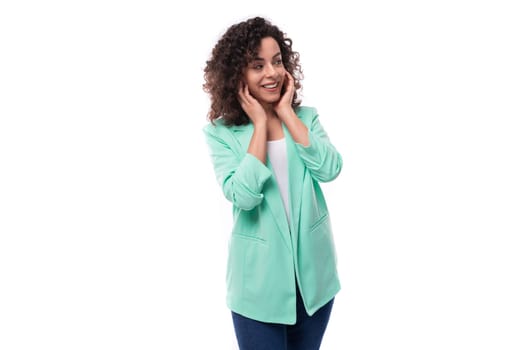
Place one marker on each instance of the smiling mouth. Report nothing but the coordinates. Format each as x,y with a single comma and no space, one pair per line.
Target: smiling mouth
270,86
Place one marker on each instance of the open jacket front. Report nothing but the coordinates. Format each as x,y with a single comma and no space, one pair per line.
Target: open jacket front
266,254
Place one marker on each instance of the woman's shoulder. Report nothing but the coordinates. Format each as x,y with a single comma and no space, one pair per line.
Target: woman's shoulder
215,126
306,113
220,129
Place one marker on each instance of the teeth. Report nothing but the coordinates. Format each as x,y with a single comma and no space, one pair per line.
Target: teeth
270,86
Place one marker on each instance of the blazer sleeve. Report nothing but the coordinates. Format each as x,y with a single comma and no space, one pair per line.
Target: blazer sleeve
241,176
320,157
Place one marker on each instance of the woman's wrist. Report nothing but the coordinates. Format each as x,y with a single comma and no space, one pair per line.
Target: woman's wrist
287,114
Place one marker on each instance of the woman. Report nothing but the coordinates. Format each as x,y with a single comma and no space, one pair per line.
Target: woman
269,155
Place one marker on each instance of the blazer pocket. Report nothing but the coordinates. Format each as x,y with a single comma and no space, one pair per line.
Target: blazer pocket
250,237
319,222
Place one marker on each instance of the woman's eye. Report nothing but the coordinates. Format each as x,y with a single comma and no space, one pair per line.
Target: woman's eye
278,62
258,66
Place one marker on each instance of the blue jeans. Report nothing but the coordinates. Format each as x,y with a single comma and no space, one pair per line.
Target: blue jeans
306,334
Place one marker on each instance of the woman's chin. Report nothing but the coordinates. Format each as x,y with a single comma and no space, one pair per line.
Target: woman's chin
270,99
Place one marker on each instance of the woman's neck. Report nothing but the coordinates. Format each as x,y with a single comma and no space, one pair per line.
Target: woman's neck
270,113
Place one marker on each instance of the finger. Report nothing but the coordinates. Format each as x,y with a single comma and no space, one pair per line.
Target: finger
240,90
242,93
240,97
291,81
247,94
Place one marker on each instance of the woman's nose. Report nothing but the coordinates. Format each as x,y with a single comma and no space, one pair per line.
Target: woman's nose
269,70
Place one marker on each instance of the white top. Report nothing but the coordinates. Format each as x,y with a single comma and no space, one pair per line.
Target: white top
279,160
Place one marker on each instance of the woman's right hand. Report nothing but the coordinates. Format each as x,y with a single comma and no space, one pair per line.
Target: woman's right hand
250,105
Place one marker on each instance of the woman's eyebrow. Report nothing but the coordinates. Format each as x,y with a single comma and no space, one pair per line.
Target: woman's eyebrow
262,59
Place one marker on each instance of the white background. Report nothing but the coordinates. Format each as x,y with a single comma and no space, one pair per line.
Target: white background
113,232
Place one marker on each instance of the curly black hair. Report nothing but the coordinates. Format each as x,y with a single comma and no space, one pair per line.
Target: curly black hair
231,55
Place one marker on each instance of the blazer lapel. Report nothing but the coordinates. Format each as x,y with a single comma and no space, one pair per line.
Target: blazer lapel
276,206
296,171
243,135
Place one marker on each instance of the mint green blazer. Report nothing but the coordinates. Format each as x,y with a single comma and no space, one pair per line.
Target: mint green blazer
266,254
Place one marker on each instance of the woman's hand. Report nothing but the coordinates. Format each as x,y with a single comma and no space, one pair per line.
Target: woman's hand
284,110
250,105
283,107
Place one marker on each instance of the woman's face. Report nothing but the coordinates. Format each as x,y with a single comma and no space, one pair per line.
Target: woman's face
265,75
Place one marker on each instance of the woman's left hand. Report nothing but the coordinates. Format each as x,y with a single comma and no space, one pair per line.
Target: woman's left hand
284,105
